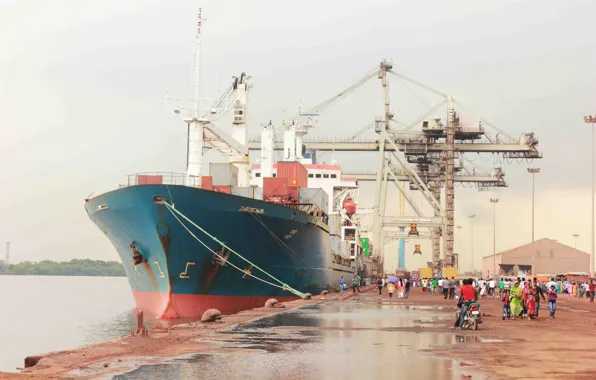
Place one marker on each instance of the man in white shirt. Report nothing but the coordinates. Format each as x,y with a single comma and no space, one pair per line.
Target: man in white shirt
491,288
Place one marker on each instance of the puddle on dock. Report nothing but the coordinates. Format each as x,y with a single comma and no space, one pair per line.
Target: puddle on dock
347,341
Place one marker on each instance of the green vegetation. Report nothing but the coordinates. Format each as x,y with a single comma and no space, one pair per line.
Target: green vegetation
68,268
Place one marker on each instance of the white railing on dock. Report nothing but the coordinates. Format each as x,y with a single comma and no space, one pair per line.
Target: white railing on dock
165,178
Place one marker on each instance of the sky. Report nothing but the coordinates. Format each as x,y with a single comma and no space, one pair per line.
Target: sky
82,88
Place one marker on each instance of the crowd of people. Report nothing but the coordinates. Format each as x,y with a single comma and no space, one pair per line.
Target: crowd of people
520,298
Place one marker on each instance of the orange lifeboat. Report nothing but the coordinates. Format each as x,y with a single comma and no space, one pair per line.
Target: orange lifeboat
349,206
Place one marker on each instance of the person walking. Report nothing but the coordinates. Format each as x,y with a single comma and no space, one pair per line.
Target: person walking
506,306
400,288
552,300
501,287
408,285
356,283
390,289
491,287
452,284
380,285
515,300
592,290
539,292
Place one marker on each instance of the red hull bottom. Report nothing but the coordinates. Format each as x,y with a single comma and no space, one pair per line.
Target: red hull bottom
192,306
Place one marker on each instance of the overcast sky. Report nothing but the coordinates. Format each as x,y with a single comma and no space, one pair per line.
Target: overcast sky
82,98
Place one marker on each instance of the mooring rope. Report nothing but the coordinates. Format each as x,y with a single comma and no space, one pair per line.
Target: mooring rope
283,285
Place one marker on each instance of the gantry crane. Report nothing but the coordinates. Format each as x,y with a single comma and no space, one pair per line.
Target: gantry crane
426,159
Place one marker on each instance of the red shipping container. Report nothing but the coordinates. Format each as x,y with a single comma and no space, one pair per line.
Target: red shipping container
294,171
275,187
222,189
293,193
144,179
207,182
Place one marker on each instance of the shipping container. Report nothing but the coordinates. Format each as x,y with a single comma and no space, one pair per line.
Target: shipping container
426,272
145,179
206,182
449,272
258,194
247,192
294,171
223,174
293,194
334,224
318,197
222,189
275,187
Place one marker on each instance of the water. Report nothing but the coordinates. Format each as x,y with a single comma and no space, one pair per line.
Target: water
328,341
41,314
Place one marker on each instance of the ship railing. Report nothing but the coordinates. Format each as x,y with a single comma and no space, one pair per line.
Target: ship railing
162,178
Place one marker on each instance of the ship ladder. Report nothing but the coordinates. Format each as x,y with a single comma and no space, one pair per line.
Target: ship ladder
281,285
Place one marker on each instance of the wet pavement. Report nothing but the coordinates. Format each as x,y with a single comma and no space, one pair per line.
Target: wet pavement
357,339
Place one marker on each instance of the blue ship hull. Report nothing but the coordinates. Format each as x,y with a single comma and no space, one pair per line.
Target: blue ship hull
180,278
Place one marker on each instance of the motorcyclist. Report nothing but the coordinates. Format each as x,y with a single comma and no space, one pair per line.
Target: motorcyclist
467,296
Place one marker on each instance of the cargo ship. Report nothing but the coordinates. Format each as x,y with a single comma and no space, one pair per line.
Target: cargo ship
235,237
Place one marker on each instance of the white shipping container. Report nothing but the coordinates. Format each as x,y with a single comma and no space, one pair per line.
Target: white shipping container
247,192
340,246
334,224
258,194
223,174
318,197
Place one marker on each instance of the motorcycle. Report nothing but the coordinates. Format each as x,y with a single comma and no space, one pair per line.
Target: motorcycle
473,316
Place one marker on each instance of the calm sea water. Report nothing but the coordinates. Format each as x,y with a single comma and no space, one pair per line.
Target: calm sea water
47,313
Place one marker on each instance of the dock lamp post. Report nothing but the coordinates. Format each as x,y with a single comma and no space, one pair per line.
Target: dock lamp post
575,240
533,171
494,202
591,119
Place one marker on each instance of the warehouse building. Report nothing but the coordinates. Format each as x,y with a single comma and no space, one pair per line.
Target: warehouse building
551,258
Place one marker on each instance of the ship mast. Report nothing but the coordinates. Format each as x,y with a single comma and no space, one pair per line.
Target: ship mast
194,161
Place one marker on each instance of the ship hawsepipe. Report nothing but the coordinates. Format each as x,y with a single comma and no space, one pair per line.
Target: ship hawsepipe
177,277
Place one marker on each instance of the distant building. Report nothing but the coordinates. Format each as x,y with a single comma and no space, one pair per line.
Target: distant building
551,257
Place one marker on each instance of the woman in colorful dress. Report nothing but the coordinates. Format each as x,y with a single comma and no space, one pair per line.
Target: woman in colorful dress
400,288
530,300
515,300
391,289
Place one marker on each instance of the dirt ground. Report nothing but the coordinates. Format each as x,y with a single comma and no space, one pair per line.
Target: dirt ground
545,348
563,348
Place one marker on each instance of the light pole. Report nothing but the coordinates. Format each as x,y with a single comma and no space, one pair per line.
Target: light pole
494,202
592,120
575,240
533,171
472,241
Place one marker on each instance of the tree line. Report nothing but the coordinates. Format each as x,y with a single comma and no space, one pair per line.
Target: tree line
75,267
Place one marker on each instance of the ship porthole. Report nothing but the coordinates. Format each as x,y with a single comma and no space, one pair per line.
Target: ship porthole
163,229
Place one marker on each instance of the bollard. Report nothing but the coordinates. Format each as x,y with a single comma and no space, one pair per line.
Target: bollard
211,315
271,303
140,330
30,361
